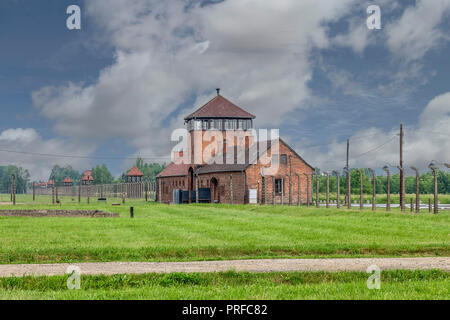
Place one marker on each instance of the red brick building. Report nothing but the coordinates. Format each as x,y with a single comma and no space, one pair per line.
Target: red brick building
238,182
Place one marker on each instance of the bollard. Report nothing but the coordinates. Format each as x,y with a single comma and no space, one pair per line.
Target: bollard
132,212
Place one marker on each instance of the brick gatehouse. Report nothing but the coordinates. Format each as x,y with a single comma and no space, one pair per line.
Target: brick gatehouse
233,183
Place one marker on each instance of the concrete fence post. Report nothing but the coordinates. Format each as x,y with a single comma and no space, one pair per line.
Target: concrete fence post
34,191
338,189
417,189
374,189
361,197
436,201
53,191
348,199
299,197
231,189
317,190
307,189
388,188
273,190
13,189
402,183
327,199
290,189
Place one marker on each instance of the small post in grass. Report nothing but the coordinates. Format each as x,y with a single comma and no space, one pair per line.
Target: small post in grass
412,205
132,212
429,205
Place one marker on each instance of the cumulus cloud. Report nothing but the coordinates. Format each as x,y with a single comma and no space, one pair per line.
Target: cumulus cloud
424,142
14,141
417,31
258,52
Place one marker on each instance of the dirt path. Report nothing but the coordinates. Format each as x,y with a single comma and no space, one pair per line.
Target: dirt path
109,268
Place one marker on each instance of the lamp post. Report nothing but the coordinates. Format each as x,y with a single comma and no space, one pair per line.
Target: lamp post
417,188
338,181
307,189
433,167
388,191
349,204
402,203
374,189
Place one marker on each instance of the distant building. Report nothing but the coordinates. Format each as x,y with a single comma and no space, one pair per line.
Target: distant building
68,182
87,178
50,184
134,175
43,184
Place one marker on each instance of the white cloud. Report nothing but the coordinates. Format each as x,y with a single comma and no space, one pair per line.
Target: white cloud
427,141
21,147
417,31
258,52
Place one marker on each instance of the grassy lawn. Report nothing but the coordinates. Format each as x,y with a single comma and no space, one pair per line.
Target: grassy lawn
209,232
232,285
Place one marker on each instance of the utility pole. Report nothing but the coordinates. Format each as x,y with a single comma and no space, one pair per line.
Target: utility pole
402,181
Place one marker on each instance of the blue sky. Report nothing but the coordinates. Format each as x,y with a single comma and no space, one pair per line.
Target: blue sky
118,87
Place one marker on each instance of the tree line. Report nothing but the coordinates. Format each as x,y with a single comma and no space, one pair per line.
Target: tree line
426,181
100,175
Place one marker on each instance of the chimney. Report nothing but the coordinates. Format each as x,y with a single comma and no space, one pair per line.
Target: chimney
218,91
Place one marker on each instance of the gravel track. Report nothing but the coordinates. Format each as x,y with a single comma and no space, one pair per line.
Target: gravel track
275,265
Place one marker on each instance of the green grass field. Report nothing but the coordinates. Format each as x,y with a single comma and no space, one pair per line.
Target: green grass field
209,232
232,285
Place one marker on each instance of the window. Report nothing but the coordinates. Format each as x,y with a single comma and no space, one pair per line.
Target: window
205,124
278,186
283,159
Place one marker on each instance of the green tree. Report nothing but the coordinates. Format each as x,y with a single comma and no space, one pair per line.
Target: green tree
58,174
101,175
22,179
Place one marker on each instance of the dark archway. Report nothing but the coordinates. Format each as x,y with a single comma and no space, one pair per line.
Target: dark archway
214,191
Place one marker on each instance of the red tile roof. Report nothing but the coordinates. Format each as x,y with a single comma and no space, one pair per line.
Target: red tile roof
67,180
50,182
174,170
85,178
135,172
43,184
219,107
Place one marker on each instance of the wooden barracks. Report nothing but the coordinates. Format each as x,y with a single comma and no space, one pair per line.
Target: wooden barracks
233,183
